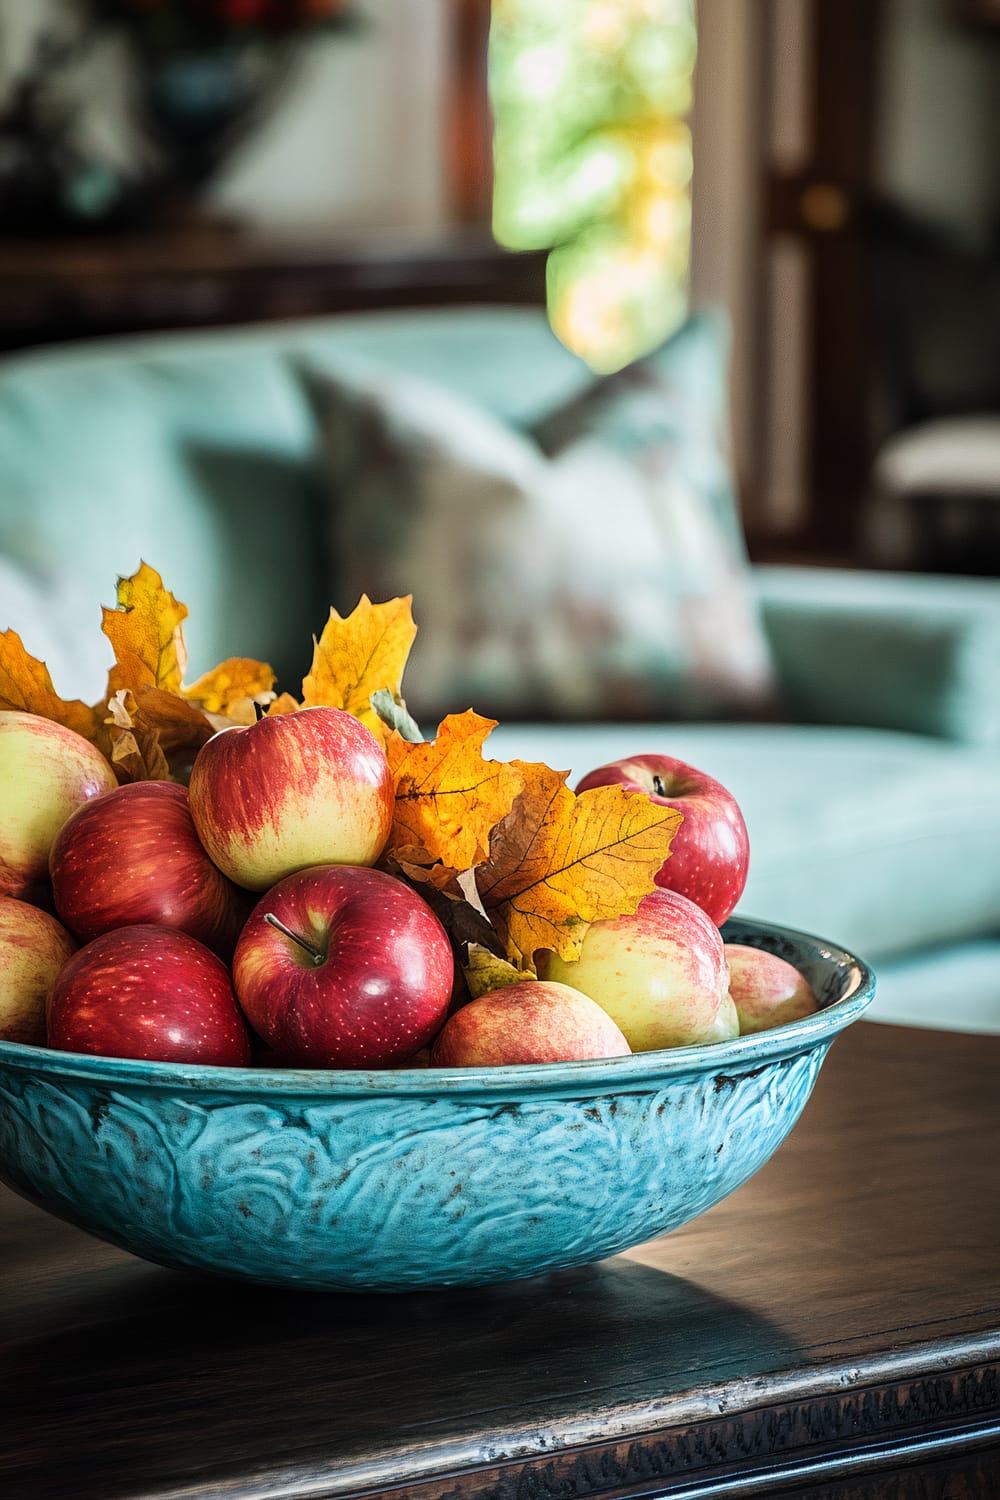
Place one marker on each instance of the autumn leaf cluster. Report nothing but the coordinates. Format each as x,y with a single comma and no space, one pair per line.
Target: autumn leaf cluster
511,860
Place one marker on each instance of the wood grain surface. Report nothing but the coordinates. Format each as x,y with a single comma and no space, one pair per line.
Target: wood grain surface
833,1326
57,290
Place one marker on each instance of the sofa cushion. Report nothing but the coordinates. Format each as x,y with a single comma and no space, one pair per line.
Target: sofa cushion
604,576
195,452
953,988
883,842
505,360
194,459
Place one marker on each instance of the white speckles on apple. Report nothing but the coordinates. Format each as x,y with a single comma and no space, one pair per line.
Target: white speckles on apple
660,973
148,992
292,792
384,988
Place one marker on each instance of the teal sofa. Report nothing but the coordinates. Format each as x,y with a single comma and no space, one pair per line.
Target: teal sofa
872,794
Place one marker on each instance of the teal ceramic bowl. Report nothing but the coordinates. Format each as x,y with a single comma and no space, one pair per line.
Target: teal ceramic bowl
413,1178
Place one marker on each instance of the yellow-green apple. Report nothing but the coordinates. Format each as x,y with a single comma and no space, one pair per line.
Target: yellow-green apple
293,790
133,856
33,948
531,1021
46,771
710,854
148,992
766,990
341,966
659,972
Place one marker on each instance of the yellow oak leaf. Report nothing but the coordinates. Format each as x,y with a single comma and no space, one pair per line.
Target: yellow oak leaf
25,686
145,634
229,685
168,722
448,798
357,655
559,862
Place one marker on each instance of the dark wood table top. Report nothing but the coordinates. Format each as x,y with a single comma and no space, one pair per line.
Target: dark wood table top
836,1317
78,288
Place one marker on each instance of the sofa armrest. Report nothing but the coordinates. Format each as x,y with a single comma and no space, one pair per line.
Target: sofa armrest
905,651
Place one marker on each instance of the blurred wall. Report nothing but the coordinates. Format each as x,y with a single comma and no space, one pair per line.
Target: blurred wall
361,140
939,116
725,208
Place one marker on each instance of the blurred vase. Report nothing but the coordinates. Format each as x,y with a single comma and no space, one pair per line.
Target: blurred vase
198,106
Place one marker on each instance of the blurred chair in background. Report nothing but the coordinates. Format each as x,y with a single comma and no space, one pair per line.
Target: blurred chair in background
936,476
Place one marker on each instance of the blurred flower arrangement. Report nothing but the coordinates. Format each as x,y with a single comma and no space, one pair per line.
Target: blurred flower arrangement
593,162
203,73
173,25
207,68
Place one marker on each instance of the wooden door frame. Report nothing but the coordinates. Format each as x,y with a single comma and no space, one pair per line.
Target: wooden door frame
821,206
469,143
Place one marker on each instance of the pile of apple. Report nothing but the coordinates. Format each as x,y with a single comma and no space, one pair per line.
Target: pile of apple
239,920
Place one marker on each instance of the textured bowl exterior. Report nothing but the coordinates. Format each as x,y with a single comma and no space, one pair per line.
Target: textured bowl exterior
413,1178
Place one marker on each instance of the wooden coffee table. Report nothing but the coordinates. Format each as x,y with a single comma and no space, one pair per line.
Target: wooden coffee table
831,1330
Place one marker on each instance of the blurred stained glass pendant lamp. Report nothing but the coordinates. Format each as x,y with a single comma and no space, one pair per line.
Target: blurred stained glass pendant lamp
593,162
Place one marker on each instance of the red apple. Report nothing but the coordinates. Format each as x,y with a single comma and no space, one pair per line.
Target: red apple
133,856
532,1021
660,973
294,790
33,948
766,990
710,855
151,993
46,771
341,966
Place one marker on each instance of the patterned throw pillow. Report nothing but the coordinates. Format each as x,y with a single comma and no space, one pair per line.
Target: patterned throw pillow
591,569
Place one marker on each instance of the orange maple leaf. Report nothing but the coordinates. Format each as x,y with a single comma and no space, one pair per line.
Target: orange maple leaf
145,634
155,724
357,655
25,686
559,862
448,798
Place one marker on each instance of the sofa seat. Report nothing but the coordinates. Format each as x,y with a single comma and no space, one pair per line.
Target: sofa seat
953,988
883,842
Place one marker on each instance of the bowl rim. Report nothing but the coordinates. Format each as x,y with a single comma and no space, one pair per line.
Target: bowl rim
617,1073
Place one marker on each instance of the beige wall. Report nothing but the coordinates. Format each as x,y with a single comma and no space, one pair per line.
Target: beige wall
724,227
939,121
362,140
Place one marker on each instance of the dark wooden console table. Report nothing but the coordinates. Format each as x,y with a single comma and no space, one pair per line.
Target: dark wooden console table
831,1331
55,290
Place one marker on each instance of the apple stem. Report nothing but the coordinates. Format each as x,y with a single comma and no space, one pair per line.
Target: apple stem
658,785
260,711
315,953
